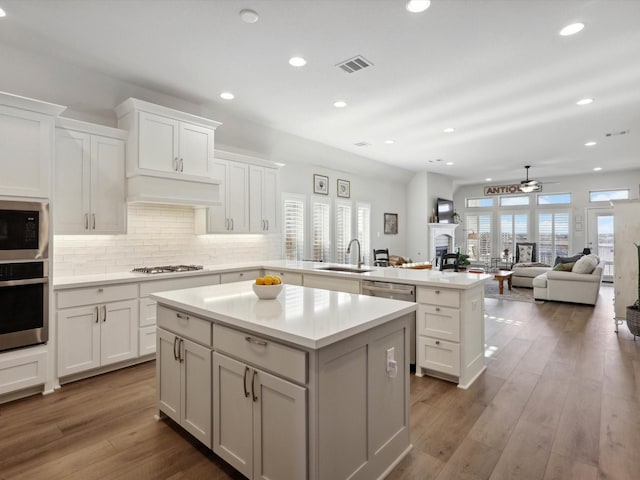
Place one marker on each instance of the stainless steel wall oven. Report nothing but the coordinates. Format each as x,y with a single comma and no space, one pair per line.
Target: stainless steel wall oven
24,274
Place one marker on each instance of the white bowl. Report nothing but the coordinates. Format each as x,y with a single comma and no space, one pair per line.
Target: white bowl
267,292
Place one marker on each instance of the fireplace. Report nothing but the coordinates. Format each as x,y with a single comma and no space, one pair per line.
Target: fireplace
441,239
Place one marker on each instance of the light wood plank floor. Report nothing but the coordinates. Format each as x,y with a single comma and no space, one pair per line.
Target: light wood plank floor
560,400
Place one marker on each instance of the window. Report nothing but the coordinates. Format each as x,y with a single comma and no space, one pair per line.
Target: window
479,237
515,200
514,228
606,195
363,228
293,227
479,202
553,236
343,231
554,199
320,230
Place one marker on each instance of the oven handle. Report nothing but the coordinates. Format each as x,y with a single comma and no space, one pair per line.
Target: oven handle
29,281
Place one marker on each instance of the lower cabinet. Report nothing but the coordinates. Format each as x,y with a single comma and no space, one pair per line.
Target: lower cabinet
260,421
184,383
22,368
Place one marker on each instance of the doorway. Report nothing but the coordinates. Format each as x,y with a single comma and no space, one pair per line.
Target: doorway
600,238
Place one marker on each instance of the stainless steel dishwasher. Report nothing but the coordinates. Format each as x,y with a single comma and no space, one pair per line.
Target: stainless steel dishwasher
396,291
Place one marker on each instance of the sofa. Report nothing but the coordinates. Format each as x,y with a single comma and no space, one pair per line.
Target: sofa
524,273
570,284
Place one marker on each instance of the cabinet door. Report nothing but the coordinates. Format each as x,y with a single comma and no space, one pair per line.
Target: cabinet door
169,377
438,322
217,218
25,152
232,413
279,428
238,197
438,355
107,185
78,339
158,148
196,390
118,331
256,199
72,182
271,199
196,150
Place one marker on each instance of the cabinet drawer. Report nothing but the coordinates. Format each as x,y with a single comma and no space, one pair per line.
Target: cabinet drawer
439,355
439,296
147,340
185,325
231,277
290,278
154,286
22,369
439,322
99,294
267,354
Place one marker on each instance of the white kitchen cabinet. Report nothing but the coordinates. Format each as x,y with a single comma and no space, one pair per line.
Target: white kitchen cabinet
26,145
89,179
260,422
232,215
450,333
184,371
331,283
22,368
290,278
232,277
96,327
264,199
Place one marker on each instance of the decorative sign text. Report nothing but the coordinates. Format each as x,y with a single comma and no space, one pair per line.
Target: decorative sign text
502,189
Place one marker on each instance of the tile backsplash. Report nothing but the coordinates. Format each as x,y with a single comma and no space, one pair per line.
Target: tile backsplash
157,235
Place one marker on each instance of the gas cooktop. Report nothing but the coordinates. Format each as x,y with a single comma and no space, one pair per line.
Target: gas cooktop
167,269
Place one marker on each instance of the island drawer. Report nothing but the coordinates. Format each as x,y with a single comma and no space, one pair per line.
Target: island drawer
439,296
439,355
273,356
231,277
99,294
185,325
439,322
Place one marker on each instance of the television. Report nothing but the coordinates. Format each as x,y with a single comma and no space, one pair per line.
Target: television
444,210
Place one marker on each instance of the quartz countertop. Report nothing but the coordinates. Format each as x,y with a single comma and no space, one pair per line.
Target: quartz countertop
308,317
459,280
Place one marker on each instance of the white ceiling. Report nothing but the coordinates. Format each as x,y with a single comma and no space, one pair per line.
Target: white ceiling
495,70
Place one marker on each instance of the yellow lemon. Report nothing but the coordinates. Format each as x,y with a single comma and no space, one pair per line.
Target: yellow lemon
259,281
276,280
268,280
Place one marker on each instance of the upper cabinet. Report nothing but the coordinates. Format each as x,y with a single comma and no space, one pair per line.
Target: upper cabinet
170,154
264,199
26,145
89,185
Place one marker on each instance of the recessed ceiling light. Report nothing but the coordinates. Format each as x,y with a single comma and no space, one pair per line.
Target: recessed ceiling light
488,179
597,169
249,16
227,95
389,142
584,101
2,13
340,104
590,144
417,6
449,130
571,29
297,62
449,163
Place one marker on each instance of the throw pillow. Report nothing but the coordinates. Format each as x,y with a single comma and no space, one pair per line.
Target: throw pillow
524,254
564,267
586,264
573,259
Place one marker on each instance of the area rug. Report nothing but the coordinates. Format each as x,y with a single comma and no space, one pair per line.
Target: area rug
515,294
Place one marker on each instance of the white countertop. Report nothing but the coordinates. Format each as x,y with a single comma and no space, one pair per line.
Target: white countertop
307,317
460,280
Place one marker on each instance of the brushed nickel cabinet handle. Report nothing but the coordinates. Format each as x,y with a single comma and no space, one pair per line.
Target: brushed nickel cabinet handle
267,224
97,314
437,309
181,165
262,343
181,350
182,317
175,343
175,164
437,342
93,215
253,389
86,221
104,313
244,382
437,292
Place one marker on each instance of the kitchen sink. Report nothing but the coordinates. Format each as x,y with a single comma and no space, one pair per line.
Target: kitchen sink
344,269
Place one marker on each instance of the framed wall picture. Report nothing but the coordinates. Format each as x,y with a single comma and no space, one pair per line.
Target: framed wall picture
320,184
344,188
391,223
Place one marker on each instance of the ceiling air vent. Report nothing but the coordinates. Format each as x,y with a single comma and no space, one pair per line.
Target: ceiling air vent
615,134
362,144
354,64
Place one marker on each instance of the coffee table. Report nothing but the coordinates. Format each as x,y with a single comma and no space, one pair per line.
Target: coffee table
501,276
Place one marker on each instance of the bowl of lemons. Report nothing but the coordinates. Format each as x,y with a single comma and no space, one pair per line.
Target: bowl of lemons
267,287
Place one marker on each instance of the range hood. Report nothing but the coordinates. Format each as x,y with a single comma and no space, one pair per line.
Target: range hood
149,187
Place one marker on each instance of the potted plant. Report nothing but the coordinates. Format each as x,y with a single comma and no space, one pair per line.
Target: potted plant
463,261
633,311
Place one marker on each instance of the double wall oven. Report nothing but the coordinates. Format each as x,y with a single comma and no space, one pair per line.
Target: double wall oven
24,274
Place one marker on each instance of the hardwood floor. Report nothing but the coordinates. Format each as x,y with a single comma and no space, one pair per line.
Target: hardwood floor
560,400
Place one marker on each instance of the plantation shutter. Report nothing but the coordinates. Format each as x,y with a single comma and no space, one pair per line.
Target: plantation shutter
364,231
553,236
293,227
320,232
343,231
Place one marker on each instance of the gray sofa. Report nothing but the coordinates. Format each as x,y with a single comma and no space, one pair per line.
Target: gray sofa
569,286
524,273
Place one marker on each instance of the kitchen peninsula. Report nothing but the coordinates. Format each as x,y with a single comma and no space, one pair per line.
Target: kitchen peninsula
269,385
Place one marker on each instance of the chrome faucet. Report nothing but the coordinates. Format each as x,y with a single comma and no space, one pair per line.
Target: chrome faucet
349,251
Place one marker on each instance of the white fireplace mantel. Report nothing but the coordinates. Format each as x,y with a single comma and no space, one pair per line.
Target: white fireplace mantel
437,229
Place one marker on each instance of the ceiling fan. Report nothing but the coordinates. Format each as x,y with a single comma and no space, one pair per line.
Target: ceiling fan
528,186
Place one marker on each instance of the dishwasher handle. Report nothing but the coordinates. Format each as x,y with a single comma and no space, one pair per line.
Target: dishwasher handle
392,291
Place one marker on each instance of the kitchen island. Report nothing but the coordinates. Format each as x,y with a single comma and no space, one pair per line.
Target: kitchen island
313,384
